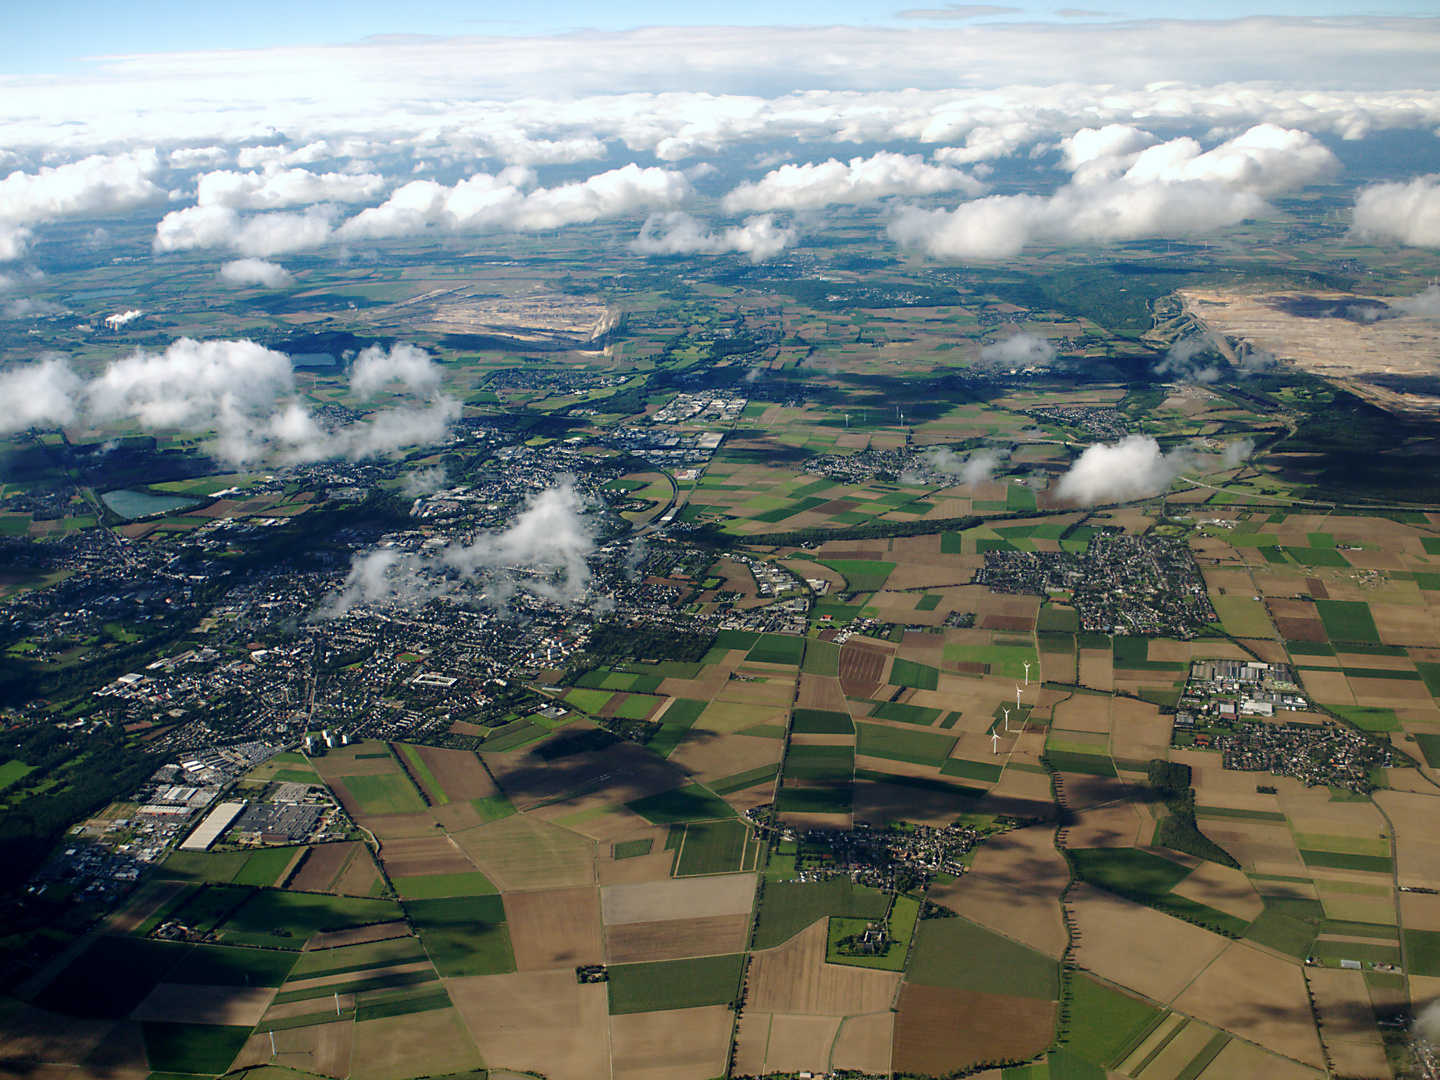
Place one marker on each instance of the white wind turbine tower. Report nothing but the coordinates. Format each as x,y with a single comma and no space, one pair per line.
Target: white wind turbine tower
995,742
1027,672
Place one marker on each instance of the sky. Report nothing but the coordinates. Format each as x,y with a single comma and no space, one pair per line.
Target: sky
67,36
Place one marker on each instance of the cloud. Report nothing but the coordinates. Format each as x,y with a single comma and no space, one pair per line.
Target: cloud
1182,361
1133,468
255,272
542,552
1427,1024
241,391
1403,213
809,186
501,202
958,11
27,308
279,188
425,481
1237,452
39,394
1170,189
1424,304
99,184
1018,350
975,468
215,226
677,233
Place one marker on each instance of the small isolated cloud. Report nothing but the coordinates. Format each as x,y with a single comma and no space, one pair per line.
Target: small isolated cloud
952,12
542,552
862,180
975,468
255,272
1425,304
1237,453
1406,214
1133,468
1018,350
1183,361
677,233
425,481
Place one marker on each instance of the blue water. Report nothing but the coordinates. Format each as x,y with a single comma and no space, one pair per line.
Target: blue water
137,504
313,359
99,294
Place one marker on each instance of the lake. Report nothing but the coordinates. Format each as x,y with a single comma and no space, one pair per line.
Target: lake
136,504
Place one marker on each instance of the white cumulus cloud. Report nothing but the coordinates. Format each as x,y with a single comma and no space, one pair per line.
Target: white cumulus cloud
811,186
677,233
1404,213
98,184
276,189
263,235
255,272
1018,349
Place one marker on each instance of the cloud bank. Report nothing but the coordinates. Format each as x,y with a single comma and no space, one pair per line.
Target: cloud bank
677,233
809,187
1401,213
241,391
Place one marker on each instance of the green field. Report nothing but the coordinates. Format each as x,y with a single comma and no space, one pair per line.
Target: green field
1348,620
427,1001
216,965
630,849
464,935
1430,747
1089,764
590,701
919,676
804,762
433,886
689,803
787,907
420,769
821,722
906,714
111,977
674,723
1008,660
899,744
815,800
674,984
971,770
1128,872
264,867
283,920
728,785
493,807
636,707
714,847
1340,860
990,962
192,1048
1242,616
903,915
777,649
1105,1022
358,957
386,793
217,866
821,658
861,575
1422,952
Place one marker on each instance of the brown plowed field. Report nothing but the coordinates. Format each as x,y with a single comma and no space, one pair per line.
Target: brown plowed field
347,761
681,1044
320,1048
725,755
752,1038
939,1031
864,1043
458,772
148,899
878,803
387,827
820,692
638,868
801,1043
1224,889
1025,917
794,978
1024,859
678,898
359,876
322,866
673,939
861,663
425,1044
632,772
238,1006
360,935
30,1034
540,1021
423,855
1259,997
1241,1061
522,852
1417,862
1347,1023
557,928
1137,947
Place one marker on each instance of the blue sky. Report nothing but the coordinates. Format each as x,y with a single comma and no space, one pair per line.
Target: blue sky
56,37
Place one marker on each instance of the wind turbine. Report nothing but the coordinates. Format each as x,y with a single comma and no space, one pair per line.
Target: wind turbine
994,742
1017,695
1027,672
